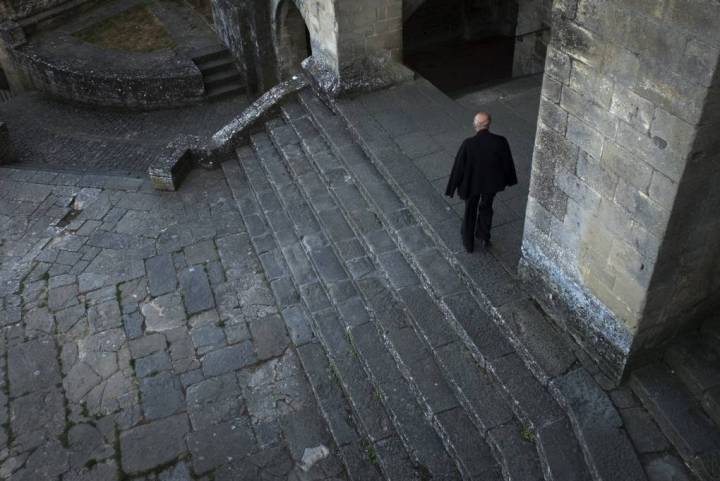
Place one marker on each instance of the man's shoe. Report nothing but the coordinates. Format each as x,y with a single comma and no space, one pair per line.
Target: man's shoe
486,244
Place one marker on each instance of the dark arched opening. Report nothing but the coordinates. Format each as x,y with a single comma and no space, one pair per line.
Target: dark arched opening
459,44
292,39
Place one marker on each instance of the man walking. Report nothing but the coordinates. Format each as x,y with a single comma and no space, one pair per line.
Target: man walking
483,167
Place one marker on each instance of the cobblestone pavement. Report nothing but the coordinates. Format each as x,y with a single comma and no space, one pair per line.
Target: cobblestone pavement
139,339
50,134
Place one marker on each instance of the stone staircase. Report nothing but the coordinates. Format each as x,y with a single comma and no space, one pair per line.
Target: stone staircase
220,72
426,364
682,393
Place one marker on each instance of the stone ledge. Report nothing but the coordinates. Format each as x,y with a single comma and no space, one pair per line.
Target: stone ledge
171,167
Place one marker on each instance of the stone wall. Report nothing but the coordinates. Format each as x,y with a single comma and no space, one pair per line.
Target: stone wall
244,26
532,36
617,217
78,71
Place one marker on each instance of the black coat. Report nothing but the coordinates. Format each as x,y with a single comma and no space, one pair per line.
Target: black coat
483,165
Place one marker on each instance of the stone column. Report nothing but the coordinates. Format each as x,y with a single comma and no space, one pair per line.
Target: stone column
622,227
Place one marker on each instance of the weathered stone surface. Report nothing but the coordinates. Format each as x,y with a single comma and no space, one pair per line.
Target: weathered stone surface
164,313
151,445
220,444
214,400
672,407
161,395
598,426
195,287
33,366
269,336
228,359
161,275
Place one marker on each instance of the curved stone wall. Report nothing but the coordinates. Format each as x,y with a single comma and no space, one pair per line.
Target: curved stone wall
71,69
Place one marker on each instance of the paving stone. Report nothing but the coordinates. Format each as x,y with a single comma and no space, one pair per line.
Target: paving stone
154,444
196,291
36,418
228,359
220,444
298,325
161,395
179,472
161,275
32,366
207,338
154,363
146,345
397,269
202,252
164,313
214,400
79,381
269,337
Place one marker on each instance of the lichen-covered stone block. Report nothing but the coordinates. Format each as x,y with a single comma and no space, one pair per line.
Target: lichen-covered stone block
173,164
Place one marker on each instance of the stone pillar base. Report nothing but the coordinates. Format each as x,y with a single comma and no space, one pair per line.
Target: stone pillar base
602,336
364,75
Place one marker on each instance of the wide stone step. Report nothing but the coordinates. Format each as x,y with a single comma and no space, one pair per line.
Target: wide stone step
322,286
416,360
364,439
333,260
481,398
532,404
680,417
512,320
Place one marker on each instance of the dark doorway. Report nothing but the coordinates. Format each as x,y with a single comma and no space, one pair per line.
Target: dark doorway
460,44
292,39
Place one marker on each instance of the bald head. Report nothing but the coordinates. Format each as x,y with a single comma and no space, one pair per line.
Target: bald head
482,121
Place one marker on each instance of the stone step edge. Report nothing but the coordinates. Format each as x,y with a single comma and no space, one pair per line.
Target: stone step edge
527,357
359,429
401,368
464,402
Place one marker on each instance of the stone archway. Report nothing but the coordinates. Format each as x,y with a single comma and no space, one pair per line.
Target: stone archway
292,39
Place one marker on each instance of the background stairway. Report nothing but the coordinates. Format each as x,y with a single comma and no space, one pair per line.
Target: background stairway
434,387
220,72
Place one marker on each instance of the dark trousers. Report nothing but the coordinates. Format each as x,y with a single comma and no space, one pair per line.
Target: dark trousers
478,219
